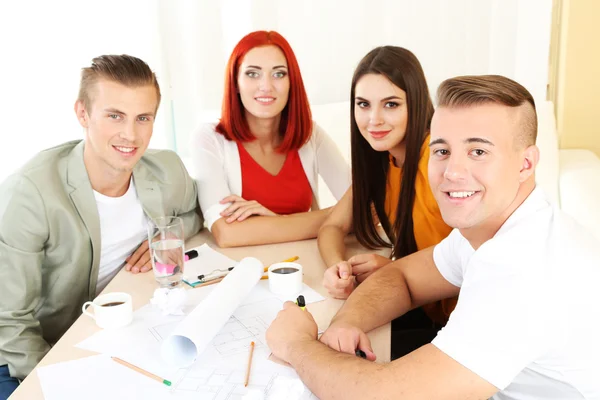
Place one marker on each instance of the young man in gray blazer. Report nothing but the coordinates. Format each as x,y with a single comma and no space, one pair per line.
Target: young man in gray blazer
76,213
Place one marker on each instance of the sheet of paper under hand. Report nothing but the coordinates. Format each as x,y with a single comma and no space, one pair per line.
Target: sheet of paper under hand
195,332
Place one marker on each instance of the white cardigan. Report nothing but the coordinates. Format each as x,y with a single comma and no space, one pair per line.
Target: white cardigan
217,171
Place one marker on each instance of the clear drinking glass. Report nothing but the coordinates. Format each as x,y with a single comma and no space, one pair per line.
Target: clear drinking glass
165,235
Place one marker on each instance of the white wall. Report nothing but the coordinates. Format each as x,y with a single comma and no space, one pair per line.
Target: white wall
43,46
450,38
187,42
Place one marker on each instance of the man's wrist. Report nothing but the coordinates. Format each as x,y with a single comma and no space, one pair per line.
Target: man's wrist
295,346
345,318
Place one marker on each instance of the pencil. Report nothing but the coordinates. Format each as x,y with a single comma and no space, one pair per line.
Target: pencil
212,282
141,371
288,260
249,364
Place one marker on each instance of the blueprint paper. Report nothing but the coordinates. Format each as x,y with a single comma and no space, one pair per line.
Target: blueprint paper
100,378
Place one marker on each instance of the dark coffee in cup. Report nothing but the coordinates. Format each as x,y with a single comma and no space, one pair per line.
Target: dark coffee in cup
112,304
284,270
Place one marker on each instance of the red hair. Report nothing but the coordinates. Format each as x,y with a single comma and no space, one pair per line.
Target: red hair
295,126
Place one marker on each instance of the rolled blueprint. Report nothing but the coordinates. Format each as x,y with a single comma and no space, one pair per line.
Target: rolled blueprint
197,330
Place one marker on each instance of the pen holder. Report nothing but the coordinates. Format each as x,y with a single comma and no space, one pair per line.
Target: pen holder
285,278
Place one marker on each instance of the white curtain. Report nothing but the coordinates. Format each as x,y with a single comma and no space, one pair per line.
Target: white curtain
187,42
458,37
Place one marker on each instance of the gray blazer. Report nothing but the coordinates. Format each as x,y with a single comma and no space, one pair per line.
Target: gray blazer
50,242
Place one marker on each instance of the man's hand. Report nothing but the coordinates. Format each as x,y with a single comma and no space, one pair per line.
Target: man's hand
346,338
338,280
291,326
363,265
240,209
139,261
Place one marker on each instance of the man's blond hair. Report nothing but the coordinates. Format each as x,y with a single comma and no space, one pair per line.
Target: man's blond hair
124,69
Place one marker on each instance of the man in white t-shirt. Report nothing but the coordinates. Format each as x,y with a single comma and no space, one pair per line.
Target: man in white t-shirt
75,214
526,323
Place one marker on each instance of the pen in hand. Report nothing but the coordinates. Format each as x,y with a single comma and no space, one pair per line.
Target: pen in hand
301,302
360,353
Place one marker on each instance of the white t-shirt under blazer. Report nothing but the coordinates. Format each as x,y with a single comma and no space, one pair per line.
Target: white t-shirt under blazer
217,170
123,227
528,313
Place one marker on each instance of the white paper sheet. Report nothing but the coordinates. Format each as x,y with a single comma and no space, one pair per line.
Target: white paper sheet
97,378
100,378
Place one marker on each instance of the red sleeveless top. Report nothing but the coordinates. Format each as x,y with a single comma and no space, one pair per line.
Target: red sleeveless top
288,192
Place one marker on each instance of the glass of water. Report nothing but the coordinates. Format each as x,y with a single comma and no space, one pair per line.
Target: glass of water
165,236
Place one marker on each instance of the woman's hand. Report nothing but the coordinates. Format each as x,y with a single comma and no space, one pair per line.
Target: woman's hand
363,265
339,281
240,209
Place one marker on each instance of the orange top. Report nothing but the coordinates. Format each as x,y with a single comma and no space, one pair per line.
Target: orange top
428,225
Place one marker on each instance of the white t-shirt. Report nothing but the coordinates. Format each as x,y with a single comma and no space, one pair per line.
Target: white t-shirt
218,173
528,313
123,227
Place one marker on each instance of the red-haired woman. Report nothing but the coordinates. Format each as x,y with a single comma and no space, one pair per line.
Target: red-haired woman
257,169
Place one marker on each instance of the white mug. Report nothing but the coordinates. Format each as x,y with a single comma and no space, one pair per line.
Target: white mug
111,310
285,278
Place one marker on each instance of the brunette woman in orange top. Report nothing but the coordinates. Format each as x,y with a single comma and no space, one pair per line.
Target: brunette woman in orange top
392,111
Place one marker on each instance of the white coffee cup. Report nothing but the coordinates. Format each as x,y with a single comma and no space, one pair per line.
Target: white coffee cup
285,278
111,310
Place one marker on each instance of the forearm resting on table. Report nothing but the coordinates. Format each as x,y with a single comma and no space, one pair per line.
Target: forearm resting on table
426,373
333,375
331,244
396,288
265,230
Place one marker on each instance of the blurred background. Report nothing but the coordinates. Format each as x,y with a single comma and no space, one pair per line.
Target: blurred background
549,46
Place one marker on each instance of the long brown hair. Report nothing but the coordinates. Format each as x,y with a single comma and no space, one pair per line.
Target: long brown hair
370,167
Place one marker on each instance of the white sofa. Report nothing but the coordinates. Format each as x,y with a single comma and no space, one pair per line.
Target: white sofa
571,178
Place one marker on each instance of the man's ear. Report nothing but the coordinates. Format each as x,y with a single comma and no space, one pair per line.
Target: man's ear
530,157
81,112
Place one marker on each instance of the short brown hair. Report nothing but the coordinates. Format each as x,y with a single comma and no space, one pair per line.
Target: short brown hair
124,69
466,91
